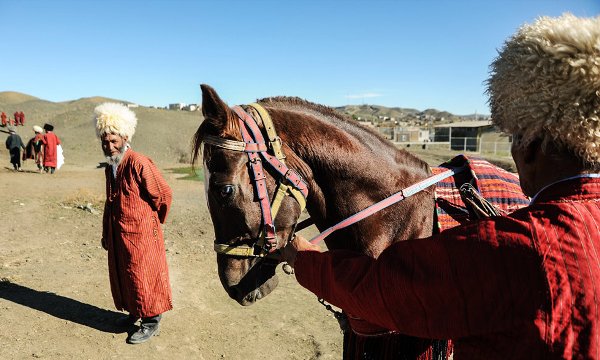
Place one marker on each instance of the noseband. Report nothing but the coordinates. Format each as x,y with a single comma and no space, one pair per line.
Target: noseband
289,182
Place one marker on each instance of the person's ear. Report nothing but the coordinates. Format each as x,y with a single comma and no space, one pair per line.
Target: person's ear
125,138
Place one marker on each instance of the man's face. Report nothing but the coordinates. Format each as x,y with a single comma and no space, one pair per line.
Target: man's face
112,144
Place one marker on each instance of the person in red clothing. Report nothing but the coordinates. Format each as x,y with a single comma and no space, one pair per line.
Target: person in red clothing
51,142
137,202
16,116
522,286
35,148
3,117
21,118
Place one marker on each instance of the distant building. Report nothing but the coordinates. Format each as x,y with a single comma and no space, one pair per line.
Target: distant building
191,107
184,107
177,106
462,136
132,105
410,134
366,123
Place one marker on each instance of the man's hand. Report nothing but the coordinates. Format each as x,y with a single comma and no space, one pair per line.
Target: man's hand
299,243
104,244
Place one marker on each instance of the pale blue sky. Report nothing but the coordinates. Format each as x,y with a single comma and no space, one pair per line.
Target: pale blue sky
419,54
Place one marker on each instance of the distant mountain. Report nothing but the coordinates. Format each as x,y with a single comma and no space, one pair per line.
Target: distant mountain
380,114
162,134
13,97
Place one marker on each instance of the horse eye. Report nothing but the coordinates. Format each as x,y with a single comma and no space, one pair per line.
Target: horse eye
227,191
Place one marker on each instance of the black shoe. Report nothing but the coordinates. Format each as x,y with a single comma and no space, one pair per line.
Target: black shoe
126,321
144,334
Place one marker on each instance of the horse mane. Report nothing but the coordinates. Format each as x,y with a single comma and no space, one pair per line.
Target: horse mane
281,101
341,121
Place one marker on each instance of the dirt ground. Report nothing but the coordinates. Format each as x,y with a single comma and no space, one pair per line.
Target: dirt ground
55,300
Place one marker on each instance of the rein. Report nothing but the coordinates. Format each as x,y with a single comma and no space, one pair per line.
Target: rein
397,197
288,183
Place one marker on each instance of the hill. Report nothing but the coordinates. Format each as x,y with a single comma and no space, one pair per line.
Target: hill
13,97
378,114
162,134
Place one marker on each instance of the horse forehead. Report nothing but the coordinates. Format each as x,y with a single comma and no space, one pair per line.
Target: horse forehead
225,161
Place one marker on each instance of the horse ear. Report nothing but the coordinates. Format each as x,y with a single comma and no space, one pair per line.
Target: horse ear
213,107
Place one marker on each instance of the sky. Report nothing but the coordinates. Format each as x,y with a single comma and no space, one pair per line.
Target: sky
417,54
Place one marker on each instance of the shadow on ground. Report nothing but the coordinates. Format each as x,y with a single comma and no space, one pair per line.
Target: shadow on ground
61,307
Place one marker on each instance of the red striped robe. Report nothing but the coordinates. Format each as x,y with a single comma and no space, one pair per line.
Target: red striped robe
51,141
137,201
522,286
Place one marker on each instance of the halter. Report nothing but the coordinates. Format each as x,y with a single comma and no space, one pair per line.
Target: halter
289,182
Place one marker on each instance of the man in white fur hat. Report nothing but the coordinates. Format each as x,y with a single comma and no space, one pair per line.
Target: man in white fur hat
522,286
35,148
137,202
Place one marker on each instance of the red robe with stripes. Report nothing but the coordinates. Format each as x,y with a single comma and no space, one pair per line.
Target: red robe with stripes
523,286
51,141
138,201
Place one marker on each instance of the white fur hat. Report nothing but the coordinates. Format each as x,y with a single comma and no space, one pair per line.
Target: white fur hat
114,118
37,129
545,84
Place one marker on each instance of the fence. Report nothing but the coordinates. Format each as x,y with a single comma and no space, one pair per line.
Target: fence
470,144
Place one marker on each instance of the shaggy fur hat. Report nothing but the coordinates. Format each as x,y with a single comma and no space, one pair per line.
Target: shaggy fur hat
37,129
545,84
113,118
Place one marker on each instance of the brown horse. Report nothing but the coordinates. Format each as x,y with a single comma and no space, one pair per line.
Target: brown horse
344,166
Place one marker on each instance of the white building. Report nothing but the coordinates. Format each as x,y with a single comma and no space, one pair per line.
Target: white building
177,106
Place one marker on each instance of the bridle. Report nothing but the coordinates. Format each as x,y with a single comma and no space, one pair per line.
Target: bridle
289,182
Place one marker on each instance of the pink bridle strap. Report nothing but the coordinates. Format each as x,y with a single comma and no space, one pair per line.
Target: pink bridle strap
252,137
294,179
397,197
260,183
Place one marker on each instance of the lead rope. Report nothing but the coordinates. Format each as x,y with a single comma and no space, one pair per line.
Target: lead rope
399,196
341,318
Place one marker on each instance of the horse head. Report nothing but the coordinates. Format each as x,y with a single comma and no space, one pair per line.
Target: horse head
245,239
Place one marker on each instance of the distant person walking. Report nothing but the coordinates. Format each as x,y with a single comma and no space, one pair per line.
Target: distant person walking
21,118
16,118
14,144
137,202
35,148
51,141
3,117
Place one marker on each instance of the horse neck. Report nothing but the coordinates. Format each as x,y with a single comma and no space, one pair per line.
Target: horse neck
348,168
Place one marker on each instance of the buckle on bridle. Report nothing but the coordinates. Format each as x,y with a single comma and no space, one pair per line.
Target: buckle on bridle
277,141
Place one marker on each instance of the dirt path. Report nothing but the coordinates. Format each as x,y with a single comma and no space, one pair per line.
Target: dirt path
55,300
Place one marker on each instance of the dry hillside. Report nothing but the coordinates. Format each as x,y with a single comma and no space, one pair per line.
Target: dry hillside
164,135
